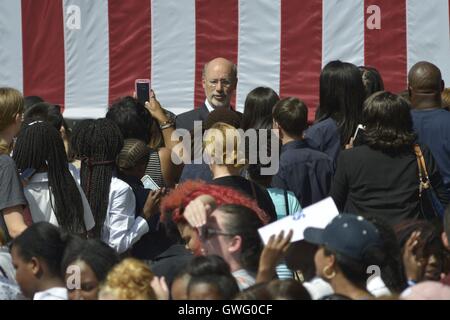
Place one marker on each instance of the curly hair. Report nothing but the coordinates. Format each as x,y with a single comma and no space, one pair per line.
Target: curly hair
389,126
129,280
173,205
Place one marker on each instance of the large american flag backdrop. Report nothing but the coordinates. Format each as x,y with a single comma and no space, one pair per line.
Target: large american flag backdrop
83,54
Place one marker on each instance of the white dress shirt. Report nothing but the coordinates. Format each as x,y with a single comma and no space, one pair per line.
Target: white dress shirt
52,294
209,106
121,228
38,197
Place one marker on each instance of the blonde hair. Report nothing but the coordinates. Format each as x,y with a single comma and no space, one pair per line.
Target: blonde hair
11,104
129,280
446,98
223,143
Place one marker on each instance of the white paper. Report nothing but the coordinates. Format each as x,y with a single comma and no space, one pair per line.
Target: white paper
317,215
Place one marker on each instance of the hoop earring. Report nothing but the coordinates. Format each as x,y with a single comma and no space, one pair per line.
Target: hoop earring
326,274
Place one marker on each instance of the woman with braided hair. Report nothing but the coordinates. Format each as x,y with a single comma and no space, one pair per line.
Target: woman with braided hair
97,143
52,193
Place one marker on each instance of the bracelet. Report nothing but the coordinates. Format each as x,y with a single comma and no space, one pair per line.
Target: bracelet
166,124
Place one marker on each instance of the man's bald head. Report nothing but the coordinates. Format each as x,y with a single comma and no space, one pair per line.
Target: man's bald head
425,77
221,62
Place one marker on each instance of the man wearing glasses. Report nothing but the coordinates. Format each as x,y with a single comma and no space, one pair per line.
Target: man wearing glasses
219,80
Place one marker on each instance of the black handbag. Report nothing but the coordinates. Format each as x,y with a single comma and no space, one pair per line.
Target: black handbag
429,204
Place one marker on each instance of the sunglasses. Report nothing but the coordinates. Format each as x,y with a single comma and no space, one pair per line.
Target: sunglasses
207,233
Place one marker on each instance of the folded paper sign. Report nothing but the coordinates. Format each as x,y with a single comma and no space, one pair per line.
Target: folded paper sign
317,215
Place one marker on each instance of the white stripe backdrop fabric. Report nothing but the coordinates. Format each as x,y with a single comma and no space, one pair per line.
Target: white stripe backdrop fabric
174,48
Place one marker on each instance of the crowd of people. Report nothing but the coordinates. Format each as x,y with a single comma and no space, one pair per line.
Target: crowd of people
106,209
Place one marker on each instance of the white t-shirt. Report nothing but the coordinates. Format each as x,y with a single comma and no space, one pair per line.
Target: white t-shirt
121,228
52,294
38,197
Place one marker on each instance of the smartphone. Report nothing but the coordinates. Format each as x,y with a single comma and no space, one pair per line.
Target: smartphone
360,127
149,183
142,87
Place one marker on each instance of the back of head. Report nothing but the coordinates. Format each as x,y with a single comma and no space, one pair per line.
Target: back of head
267,146
341,97
31,101
132,118
291,114
96,254
133,153
44,241
258,104
372,80
44,112
287,290
210,264
11,105
40,146
223,115
425,77
242,221
129,280
224,145
97,143
388,122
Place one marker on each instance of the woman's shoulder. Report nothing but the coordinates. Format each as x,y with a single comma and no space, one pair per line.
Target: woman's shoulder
6,161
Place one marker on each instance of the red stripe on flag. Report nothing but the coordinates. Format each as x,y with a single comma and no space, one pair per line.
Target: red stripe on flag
129,45
216,36
43,49
301,51
385,48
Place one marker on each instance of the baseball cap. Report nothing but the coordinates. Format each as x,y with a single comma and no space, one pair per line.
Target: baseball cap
347,234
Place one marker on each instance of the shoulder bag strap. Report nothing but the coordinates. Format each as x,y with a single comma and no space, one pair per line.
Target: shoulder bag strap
423,173
286,202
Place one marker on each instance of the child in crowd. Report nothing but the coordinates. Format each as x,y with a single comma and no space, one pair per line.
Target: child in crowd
36,255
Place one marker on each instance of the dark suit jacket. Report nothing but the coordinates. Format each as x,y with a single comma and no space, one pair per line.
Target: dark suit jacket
186,120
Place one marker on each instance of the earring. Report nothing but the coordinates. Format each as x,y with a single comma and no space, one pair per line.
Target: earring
326,274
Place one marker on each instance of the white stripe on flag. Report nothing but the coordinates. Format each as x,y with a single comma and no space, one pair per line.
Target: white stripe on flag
343,31
11,64
86,40
428,34
259,47
173,53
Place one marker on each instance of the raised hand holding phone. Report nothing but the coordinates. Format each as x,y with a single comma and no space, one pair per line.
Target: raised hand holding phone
142,88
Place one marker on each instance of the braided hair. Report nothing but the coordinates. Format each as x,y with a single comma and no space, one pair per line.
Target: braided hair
38,146
97,144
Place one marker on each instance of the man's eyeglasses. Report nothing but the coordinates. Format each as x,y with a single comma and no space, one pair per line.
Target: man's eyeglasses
225,83
207,233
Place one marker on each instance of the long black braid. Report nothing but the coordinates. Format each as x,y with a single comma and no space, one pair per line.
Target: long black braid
97,143
40,146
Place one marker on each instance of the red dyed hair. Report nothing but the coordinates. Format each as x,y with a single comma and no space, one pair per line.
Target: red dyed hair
172,205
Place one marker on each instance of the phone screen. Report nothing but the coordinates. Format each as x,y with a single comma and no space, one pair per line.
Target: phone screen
149,183
143,90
